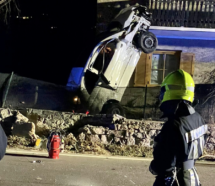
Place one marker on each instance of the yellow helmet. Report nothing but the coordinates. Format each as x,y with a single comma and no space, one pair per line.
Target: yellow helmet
177,85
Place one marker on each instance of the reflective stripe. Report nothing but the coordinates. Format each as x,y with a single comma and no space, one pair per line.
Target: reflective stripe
194,153
196,133
190,156
197,177
179,87
190,88
195,150
202,143
192,178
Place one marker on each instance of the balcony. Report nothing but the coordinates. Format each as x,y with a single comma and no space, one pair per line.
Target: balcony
183,13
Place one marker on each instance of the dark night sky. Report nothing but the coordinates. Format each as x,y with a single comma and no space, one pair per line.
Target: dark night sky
32,49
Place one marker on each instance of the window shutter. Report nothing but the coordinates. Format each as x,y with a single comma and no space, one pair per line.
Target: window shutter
187,62
143,70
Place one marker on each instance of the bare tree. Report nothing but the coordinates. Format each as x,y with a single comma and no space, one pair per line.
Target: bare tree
5,8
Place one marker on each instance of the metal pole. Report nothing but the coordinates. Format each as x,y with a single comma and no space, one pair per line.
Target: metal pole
144,109
36,95
8,86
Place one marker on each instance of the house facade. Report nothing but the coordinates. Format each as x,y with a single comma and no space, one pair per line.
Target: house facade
186,37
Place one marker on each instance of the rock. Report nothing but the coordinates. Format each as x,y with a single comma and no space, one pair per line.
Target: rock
97,130
76,117
42,129
131,131
84,129
118,134
5,113
116,127
156,125
130,126
117,140
104,139
139,135
124,127
146,142
24,130
136,126
136,131
152,134
87,148
138,141
119,127
92,138
20,118
58,122
110,137
126,134
210,146
69,147
69,122
141,130
81,136
130,140
107,130
213,134
118,119
211,140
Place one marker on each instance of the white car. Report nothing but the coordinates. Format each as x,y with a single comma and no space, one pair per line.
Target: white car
104,78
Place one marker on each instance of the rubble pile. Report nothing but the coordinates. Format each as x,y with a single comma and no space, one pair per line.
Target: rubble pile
210,143
20,142
98,134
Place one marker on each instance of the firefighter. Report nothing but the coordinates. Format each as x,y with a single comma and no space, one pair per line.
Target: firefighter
3,142
182,138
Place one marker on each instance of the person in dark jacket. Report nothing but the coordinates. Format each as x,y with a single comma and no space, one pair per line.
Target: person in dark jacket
3,142
182,138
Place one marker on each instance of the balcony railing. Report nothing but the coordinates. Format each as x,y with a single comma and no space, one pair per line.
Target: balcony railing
183,13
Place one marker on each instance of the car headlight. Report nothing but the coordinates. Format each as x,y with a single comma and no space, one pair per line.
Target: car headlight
75,99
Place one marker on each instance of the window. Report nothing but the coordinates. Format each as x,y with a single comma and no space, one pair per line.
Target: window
151,69
163,64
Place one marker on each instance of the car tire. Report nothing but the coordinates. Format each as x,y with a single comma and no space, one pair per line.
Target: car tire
147,42
113,108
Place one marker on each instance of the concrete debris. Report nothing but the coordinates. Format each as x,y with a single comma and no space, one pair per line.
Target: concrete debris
5,113
20,118
24,130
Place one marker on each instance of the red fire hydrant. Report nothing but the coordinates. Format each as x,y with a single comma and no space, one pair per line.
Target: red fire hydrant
54,145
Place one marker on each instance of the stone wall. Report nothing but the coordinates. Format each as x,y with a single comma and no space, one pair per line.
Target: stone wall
103,134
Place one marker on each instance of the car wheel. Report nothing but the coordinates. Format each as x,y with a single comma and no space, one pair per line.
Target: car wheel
148,42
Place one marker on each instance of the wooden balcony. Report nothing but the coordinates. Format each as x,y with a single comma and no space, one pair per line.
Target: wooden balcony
183,13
